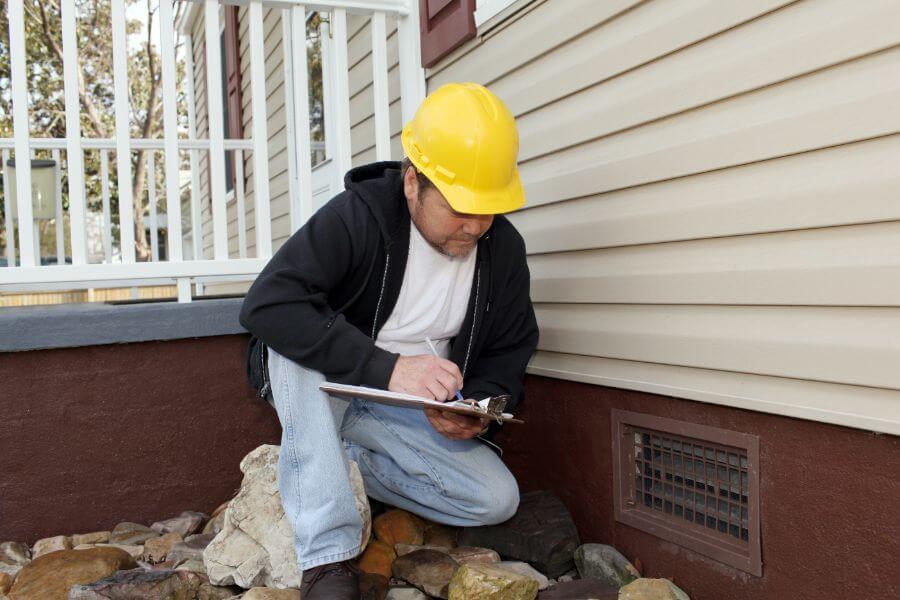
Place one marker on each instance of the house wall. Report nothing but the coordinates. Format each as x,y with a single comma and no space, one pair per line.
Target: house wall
92,436
828,521
712,196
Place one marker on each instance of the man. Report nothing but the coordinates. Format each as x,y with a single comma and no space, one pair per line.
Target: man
409,252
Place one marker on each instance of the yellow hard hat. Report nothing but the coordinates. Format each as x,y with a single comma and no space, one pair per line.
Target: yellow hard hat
464,139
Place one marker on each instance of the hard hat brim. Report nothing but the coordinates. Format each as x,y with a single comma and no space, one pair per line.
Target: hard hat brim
483,202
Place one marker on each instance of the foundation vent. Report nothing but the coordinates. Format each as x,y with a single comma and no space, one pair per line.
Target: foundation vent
690,484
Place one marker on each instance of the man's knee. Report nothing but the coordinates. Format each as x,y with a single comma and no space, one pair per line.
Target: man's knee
500,499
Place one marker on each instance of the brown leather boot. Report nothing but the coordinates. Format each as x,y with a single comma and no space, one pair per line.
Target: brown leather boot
333,581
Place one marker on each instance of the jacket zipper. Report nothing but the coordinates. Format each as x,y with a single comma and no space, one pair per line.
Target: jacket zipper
387,264
474,319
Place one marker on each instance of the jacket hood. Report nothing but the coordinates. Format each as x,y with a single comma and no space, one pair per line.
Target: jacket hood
380,187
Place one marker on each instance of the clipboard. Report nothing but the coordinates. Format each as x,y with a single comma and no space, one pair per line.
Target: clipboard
410,401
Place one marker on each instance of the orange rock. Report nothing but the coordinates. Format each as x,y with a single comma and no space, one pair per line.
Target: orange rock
399,527
50,576
5,582
373,586
156,549
377,558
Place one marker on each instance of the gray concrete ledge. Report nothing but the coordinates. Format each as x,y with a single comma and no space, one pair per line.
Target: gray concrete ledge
71,325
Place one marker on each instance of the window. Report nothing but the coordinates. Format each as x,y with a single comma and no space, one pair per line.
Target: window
693,485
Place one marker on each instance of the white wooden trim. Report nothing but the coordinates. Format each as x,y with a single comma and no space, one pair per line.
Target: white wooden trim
9,278
380,88
401,7
7,210
341,101
123,131
20,128
151,202
871,408
60,230
196,212
107,214
43,143
170,130
261,200
74,152
216,131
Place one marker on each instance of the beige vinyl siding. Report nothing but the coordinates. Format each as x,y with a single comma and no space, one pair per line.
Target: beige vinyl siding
713,196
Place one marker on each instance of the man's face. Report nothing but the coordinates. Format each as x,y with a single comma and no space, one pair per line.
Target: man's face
449,232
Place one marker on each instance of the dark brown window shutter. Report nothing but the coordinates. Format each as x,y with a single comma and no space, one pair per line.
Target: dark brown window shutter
445,25
235,125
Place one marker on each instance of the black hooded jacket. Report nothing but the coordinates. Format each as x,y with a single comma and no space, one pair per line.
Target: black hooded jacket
325,294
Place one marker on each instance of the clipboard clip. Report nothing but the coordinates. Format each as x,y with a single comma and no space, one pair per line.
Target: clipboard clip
493,406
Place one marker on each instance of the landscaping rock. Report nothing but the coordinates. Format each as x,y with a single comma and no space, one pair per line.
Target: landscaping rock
191,548
428,570
195,566
527,570
215,525
14,553
266,593
156,550
256,545
652,589
131,534
405,593
402,549
440,535
398,526
372,586
163,584
568,576
51,544
541,533
467,555
606,563
49,577
377,558
580,589
136,551
491,582
187,523
96,537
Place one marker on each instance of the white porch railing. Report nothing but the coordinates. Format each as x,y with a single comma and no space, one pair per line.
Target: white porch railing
24,270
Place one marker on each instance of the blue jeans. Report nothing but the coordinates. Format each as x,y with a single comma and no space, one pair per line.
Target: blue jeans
404,462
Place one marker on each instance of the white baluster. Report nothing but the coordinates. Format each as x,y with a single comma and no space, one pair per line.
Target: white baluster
380,88
21,135
74,152
216,130
123,131
170,131
260,136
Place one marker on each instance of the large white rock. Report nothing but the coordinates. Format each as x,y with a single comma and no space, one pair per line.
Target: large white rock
256,545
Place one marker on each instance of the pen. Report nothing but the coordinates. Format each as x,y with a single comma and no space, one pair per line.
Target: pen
435,352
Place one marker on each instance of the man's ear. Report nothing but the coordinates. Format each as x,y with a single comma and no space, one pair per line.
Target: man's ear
410,184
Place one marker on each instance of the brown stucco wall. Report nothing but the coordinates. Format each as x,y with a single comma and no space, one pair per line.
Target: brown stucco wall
96,435
830,496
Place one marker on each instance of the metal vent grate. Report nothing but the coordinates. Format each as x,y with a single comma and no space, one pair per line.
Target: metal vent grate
693,485
702,483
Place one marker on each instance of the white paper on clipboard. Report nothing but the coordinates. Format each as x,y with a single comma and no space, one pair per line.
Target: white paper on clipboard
407,400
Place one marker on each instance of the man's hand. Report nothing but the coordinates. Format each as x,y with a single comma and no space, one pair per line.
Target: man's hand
427,376
455,426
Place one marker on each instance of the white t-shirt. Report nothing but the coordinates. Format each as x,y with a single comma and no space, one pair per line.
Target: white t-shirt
433,300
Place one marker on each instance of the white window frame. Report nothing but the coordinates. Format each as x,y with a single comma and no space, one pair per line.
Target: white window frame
489,13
